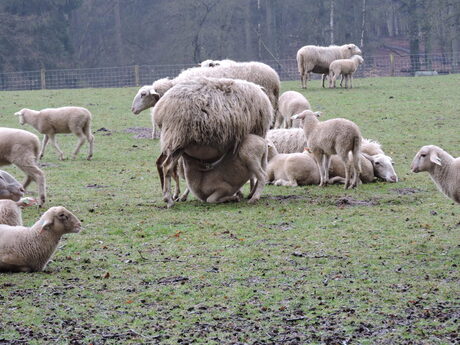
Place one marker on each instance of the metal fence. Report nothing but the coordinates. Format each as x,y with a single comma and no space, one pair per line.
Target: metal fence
125,76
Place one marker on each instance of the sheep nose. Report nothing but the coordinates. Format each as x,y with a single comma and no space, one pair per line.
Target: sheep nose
394,178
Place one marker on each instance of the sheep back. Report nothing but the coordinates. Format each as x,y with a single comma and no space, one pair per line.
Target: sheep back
62,120
288,140
17,144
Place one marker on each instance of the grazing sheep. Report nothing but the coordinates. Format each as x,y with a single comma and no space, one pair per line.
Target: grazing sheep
208,119
215,63
317,59
28,249
22,148
289,104
336,136
288,140
346,68
10,211
10,188
52,121
444,169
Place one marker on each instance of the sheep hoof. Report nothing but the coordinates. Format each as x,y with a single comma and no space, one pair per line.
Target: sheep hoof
89,157
253,201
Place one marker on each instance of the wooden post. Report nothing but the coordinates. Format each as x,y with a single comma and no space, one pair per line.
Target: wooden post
392,65
43,78
136,75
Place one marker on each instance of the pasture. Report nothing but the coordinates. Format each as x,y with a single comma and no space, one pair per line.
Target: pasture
306,265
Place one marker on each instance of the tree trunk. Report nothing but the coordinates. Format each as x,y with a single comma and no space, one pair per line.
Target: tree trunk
118,33
414,44
363,23
331,21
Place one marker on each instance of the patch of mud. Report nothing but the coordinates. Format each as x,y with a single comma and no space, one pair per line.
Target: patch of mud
104,131
406,191
95,185
47,165
349,201
285,197
172,280
140,132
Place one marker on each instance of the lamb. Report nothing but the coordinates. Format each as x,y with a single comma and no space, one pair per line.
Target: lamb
215,63
290,103
28,249
288,140
52,121
10,211
208,119
335,136
444,169
10,188
317,59
22,148
344,67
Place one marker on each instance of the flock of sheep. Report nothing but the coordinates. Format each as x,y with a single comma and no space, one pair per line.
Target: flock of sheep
215,125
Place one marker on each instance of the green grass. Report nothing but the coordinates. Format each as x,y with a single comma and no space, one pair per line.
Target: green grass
293,269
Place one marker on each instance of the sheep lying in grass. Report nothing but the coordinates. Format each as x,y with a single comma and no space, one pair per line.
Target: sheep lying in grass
317,59
10,211
288,140
346,68
289,104
444,169
207,119
216,63
10,188
52,121
22,148
336,136
28,249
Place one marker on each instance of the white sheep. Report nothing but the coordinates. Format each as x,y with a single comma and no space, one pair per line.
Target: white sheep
289,104
208,119
346,68
444,169
10,211
51,121
317,59
22,149
28,249
288,140
336,136
216,63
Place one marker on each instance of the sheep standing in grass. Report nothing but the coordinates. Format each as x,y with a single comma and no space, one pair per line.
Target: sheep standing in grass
291,103
22,149
208,119
52,121
444,169
346,68
28,249
317,59
336,136
288,140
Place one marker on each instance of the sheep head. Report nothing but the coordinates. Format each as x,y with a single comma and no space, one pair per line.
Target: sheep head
20,115
59,221
425,159
353,49
304,114
383,167
10,188
145,98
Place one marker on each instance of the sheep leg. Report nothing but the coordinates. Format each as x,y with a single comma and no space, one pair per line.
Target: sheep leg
44,142
337,179
348,172
54,143
222,195
327,164
258,169
169,167
351,81
318,155
34,173
184,196
81,141
27,181
290,183
341,80
90,139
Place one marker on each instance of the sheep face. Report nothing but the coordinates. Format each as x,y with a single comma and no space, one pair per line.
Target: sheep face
60,221
425,159
304,114
145,98
353,49
20,115
383,167
9,187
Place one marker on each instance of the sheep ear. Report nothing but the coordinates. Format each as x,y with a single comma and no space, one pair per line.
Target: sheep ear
434,158
46,224
318,113
370,158
155,94
300,116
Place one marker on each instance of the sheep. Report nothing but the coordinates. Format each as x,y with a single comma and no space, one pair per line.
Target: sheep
346,68
317,59
215,63
444,169
335,136
289,104
51,121
28,249
288,140
10,188
22,149
10,211
208,118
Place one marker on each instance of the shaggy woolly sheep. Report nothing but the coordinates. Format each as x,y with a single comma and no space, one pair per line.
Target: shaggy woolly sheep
346,68
10,188
317,59
291,103
24,249
52,121
444,169
208,118
288,140
336,136
22,148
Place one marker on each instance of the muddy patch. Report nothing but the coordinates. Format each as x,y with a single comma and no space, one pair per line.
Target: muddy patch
349,201
140,132
104,131
95,185
47,165
406,191
285,197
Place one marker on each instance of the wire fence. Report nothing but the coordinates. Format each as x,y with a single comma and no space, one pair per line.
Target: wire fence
128,76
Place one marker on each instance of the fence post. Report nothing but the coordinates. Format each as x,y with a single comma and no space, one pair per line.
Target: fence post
136,75
43,78
392,65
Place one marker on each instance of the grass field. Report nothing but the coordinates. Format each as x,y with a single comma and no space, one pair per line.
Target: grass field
300,267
